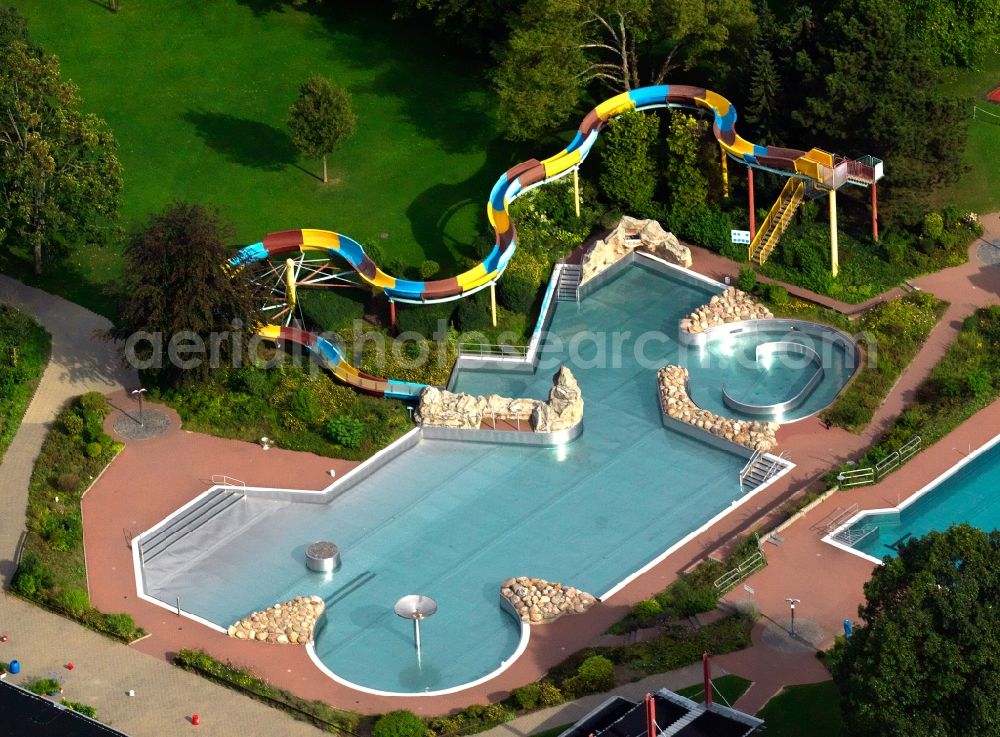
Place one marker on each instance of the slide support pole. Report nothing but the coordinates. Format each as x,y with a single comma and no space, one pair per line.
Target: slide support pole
753,213
576,192
874,212
493,302
392,314
725,172
834,256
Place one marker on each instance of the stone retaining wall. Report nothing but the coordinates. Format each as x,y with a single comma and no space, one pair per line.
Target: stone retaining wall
562,410
537,601
628,235
676,403
732,305
289,623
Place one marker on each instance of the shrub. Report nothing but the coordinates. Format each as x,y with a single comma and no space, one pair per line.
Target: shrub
305,406
647,611
95,402
119,624
473,314
87,711
747,280
776,295
345,430
517,294
43,686
933,225
596,673
527,697
427,320
497,714
550,695
429,268
401,723
692,598
94,450
68,482
75,601
32,575
63,532
72,424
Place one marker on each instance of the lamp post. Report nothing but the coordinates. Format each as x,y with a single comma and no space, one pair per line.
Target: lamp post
791,605
137,393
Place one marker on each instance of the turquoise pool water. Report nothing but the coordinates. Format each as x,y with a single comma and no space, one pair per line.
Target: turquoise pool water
452,520
969,495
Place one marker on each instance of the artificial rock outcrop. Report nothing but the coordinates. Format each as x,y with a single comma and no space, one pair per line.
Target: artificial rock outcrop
732,305
289,623
562,410
628,235
676,404
537,601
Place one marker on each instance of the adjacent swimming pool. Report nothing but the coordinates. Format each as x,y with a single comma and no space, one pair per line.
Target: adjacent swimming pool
966,493
452,520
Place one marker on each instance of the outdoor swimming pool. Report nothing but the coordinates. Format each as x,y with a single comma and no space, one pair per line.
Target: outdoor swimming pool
967,493
452,519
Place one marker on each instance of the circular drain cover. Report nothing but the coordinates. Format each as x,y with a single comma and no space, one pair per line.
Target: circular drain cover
989,254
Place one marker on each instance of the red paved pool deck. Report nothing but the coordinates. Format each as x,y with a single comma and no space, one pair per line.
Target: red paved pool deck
152,478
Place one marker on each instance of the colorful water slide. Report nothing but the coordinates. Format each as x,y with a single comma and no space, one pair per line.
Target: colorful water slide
813,164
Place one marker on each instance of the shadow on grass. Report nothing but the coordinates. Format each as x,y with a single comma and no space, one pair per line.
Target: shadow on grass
264,7
431,210
245,142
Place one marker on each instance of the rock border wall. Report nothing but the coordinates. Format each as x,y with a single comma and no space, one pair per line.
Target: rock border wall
561,411
291,622
677,404
733,305
630,234
537,601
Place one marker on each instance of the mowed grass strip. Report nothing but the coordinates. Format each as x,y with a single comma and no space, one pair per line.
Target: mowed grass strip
197,95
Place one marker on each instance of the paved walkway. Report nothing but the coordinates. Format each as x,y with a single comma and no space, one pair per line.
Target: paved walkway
105,670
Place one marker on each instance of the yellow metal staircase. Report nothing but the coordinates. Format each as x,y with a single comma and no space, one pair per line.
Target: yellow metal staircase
777,220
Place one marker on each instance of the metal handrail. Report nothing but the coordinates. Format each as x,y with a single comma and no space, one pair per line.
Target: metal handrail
746,469
223,480
491,349
856,477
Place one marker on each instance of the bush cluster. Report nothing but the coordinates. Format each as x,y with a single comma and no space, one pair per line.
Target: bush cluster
24,351
293,406
890,334
965,380
318,713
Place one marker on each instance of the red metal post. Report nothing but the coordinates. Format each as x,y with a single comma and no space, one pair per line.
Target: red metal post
392,314
753,214
650,716
874,211
706,664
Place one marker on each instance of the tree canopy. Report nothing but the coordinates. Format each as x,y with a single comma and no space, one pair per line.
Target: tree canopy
60,179
557,48
926,663
176,291
320,119
629,172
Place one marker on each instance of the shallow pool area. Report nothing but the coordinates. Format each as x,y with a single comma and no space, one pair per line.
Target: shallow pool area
967,493
452,519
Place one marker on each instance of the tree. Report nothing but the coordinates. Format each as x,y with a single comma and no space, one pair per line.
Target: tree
321,119
927,660
178,294
682,167
59,177
472,24
558,47
628,167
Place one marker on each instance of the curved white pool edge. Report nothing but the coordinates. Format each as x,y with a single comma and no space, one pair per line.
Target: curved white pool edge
736,503
504,665
927,488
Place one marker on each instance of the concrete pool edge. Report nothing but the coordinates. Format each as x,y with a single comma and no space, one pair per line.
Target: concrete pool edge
924,490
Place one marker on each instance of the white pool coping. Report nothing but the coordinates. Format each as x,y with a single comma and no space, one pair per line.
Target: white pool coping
898,509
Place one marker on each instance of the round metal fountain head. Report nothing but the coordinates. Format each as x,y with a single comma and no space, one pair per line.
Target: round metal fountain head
415,606
322,556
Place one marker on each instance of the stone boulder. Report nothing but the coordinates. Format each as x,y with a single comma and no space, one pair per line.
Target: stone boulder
628,235
733,305
537,601
564,409
288,623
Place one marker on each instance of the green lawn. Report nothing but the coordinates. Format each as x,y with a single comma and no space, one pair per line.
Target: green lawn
727,690
979,189
197,93
24,353
798,710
